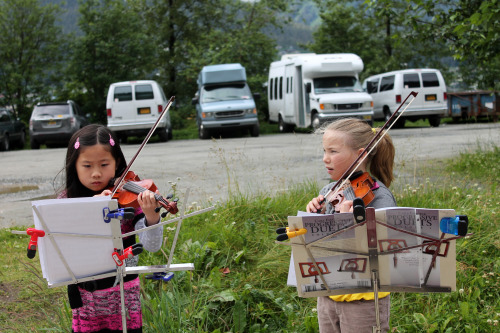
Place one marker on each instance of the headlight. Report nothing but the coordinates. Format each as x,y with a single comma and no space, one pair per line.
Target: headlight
368,104
207,114
251,111
326,106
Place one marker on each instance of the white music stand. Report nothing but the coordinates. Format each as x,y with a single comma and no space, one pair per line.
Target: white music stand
78,243
393,250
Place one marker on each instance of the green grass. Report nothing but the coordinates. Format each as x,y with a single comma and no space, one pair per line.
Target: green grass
239,281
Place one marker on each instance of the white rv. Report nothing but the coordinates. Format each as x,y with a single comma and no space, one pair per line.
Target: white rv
306,90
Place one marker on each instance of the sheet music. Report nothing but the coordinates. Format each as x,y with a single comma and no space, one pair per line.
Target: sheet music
86,254
344,261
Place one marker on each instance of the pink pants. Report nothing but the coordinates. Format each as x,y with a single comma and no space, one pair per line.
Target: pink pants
352,317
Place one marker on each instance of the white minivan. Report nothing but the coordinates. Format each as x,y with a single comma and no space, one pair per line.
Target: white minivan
388,90
133,108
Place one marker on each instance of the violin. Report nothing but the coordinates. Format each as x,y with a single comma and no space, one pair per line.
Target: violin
129,185
132,186
359,185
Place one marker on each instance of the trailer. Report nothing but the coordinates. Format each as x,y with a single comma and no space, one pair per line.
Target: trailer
468,104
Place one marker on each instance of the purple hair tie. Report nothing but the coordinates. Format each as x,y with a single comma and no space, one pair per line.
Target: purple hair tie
111,141
77,143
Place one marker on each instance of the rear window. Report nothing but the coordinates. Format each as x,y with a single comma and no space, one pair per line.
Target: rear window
123,93
411,81
51,110
430,80
387,83
372,86
143,91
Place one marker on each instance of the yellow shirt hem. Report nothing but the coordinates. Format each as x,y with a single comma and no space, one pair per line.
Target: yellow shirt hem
358,297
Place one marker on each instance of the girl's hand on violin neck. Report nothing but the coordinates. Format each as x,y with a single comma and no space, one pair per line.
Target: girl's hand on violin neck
148,204
315,204
104,193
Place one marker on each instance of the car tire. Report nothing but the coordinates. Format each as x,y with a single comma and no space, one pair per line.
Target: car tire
255,131
203,133
282,126
163,134
315,122
434,121
387,114
170,133
34,144
5,143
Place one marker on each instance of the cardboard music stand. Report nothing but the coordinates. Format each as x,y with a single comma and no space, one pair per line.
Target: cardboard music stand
396,249
80,239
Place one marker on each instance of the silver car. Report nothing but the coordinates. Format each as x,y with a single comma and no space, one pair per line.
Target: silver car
55,123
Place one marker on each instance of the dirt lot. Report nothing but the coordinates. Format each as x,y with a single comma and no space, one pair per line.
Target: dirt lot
215,170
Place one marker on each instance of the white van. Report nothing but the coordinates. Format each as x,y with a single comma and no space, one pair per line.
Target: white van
133,108
306,90
388,90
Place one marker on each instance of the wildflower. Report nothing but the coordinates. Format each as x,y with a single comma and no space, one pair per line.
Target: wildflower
495,322
214,214
489,321
491,273
461,291
314,310
234,222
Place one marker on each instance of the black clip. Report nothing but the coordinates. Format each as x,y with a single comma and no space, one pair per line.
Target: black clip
120,214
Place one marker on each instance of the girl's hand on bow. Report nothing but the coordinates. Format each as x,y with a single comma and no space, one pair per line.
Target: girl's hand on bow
148,204
103,193
315,204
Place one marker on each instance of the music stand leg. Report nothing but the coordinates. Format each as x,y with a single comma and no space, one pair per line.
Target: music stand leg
376,329
122,299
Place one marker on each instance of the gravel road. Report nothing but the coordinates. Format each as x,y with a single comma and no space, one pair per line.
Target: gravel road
213,170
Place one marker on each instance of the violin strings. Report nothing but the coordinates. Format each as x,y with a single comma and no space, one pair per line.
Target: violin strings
136,188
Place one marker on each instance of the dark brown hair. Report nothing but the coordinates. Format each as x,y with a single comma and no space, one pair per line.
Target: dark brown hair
380,162
89,136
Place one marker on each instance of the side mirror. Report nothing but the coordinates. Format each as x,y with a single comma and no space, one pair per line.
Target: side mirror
194,101
308,87
256,96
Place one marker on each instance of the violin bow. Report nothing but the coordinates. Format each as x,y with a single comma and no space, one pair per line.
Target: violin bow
377,138
144,142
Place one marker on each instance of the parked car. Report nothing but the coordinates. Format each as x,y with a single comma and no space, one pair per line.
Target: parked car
388,90
55,123
12,131
133,107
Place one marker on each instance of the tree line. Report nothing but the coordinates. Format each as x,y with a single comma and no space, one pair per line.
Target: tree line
171,40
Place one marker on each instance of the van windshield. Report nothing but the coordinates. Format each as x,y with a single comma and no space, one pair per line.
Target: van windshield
225,93
336,84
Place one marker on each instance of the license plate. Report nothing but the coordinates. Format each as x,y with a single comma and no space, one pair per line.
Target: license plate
52,123
143,110
430,97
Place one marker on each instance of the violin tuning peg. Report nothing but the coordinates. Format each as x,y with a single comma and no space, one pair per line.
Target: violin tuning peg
157,209
176,199
170,196
164,214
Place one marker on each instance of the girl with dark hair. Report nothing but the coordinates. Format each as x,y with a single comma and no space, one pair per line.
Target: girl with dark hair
343,141
93,159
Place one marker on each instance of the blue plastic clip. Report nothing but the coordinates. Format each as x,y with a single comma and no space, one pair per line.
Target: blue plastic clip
120,214
161,276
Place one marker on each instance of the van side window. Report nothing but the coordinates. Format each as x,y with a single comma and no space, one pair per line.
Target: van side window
271,88
291,84
387,83
411,81
123,93
371,86
281,87
276,88
430,80
144,91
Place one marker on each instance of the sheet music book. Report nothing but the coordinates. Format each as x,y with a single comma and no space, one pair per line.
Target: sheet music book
84,242
403,259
